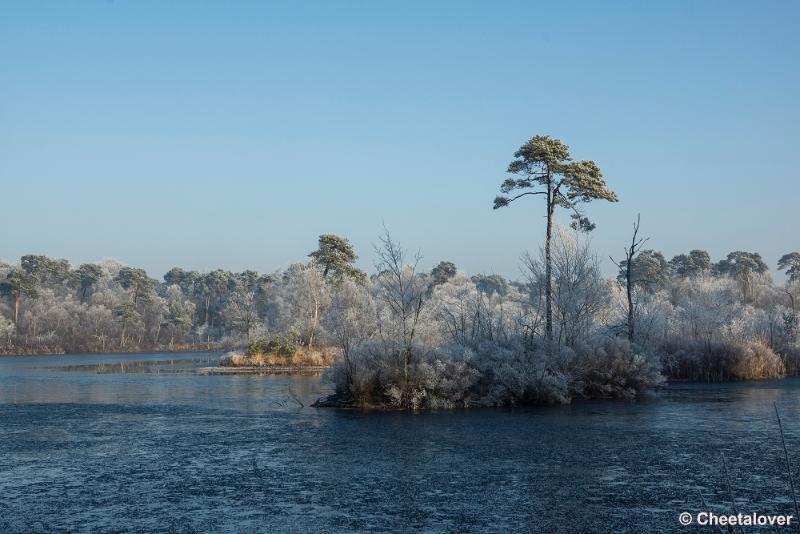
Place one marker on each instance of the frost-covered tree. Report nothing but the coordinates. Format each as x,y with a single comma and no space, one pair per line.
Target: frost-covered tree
240,311
210,289
444,271
401,294
306,297
791,264
18,284
180,311
351,321
87,276
49,272
648,270
182,278
336,256
136,281
696,263
466,314
579,292
743,267
129,319
543,166
8,332
491,283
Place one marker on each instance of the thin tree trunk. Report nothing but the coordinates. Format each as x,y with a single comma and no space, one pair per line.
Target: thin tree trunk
629,289
16,311
548,268
630,253
314,325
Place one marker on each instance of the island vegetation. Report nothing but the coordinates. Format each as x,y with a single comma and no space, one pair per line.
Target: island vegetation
405,337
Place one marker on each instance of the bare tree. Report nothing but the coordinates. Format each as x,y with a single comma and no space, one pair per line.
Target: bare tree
351,319
578,290
626,264
404,293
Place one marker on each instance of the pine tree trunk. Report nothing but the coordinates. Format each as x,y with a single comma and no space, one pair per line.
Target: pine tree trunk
548,268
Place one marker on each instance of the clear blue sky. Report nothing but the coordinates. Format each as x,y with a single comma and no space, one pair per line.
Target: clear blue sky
232,134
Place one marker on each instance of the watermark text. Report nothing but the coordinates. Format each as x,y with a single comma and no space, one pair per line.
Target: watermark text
735,520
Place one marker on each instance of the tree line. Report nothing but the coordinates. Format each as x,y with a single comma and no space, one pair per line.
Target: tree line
409,337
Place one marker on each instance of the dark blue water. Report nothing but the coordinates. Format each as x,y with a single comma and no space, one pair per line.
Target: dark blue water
155,447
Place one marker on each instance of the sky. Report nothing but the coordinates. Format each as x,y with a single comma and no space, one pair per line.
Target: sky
232,134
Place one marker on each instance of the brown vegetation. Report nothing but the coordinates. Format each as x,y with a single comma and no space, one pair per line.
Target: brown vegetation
721,361
302,357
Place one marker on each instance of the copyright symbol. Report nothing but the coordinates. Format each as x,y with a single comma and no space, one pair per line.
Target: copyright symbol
685,518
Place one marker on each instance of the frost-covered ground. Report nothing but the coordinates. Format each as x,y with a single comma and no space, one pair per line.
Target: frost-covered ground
144,451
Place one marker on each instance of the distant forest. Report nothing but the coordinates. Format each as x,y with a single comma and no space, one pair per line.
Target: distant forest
694,313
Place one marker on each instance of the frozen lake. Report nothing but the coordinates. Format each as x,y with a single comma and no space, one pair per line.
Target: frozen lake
151,446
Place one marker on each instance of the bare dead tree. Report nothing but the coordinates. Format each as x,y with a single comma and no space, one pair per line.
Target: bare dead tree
630,252
404,293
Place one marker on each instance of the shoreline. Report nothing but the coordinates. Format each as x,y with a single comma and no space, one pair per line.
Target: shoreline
266,370
116,352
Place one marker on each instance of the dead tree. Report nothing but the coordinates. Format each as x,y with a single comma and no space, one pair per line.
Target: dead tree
627,264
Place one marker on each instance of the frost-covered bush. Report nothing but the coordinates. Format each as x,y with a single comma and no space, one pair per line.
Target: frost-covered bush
273,353
790,354
233,359
755,360
285,346
725,360
491,373
606,367
440,378
359,378
464,310
512,375
7,331
580,295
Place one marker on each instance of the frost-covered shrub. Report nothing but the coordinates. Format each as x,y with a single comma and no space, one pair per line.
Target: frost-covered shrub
755,360
724,360
285,346
790,355
490,373
510,375
464,310
441,378
709,361
606,367
360,378
445,377
7,331
232,359
579,293
302,357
